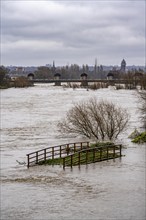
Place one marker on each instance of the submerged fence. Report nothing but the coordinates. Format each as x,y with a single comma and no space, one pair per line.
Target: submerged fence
92,155
75,154
54,152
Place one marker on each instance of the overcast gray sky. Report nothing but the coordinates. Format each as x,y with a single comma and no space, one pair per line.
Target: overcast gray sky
38,32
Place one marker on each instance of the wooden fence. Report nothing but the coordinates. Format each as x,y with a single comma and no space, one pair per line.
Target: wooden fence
54,152
92,155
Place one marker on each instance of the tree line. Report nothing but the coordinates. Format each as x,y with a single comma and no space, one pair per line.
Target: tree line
69,72
132,78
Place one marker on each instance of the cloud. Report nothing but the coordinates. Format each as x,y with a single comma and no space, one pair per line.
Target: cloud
37,32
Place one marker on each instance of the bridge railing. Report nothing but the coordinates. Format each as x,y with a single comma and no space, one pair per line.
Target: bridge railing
35,157
92,155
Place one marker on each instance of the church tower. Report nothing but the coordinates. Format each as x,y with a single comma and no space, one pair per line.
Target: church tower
123,66
53,67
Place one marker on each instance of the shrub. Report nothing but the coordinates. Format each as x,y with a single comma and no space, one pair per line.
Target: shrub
22,82
140,138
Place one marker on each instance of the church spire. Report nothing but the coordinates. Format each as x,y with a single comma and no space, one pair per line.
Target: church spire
123,66
53,66
95,67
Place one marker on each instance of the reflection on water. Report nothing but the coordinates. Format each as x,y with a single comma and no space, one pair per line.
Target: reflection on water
112,190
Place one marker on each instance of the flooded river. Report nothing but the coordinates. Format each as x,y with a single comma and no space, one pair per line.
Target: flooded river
113,190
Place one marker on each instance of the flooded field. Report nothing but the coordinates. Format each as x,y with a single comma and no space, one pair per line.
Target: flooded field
113,190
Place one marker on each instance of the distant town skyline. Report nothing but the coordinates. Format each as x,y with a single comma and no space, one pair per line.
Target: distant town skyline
92,65
34,33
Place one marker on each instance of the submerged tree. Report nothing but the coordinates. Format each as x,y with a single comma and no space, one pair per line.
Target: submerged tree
96,120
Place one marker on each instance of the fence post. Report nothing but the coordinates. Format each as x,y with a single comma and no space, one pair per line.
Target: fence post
114,151
67,149
36,157
74,147
52,152
120,150
88,144
44,154
81,146
60,151
27,160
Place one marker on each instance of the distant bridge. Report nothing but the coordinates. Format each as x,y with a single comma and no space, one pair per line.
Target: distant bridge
59,81
66,80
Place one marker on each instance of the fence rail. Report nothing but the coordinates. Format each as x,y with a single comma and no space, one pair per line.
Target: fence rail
60,151
93,155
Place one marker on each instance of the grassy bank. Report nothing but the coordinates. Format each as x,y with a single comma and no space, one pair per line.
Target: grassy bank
141,138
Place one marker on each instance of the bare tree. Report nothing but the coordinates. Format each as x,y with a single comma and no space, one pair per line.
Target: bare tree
96,120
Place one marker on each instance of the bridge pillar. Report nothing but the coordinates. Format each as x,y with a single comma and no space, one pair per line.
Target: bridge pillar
57,79
57,83
84,82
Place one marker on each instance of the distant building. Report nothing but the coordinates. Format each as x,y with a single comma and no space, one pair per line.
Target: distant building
123,66
20,69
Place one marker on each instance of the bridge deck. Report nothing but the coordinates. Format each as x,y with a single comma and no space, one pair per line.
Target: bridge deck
78,81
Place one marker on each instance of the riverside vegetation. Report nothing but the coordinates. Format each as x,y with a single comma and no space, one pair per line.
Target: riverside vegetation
137,137
140,139
6,82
